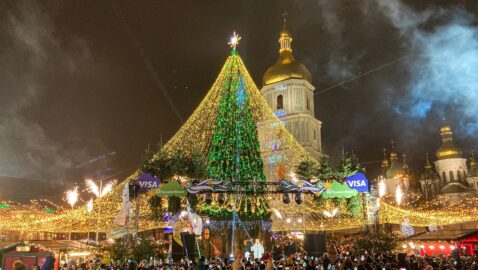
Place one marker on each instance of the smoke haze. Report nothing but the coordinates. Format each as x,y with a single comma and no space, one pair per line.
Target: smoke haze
31,54
74,87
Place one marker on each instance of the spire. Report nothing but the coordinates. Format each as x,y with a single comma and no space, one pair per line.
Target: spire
446,134
385,160
285,38
393,153
448,148
405,165
286,66
284,18
396,169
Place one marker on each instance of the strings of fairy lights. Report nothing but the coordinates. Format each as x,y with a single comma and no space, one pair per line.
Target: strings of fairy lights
195,136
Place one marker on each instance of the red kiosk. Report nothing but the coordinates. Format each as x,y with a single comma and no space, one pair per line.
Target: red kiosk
26,253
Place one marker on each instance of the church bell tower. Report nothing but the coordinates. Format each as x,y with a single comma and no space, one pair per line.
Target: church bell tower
287,88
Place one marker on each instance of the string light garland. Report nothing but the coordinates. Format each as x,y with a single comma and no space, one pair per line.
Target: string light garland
280,153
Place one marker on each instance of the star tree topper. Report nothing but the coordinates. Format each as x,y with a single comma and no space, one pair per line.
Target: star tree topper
234,40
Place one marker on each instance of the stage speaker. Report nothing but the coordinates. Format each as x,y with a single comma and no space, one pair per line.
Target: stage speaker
314,244
189,245
177,251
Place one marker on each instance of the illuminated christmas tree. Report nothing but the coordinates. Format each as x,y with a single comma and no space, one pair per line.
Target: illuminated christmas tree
279,150
235,151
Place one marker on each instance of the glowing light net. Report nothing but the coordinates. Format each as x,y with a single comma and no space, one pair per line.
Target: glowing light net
279,149
280,152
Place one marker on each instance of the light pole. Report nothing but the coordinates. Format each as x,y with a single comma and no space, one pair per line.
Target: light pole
99,192
71,198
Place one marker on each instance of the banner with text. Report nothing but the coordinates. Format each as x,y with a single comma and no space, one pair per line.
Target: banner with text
358,182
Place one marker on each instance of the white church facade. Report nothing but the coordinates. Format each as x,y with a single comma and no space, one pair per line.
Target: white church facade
287,88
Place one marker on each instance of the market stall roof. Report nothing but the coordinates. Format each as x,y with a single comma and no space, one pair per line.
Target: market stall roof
444,235
62,245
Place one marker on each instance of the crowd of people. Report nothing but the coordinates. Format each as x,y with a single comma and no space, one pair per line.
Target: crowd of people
286,255
338,259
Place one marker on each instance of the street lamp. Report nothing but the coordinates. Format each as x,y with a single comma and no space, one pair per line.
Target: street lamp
71,199
99,192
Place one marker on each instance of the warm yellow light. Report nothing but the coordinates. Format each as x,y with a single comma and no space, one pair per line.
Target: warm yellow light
72,196
277,213
89,206
381,188
234,40
99,191
398,195
78,254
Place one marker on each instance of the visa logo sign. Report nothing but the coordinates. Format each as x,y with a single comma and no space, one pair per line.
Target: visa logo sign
148,184
358,182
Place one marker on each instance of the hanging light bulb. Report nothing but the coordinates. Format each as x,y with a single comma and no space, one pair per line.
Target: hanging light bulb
220,198
286,199
208,199
72,196
298,198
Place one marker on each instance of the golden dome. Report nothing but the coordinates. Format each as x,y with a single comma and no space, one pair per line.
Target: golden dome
286,67
445,129
448,149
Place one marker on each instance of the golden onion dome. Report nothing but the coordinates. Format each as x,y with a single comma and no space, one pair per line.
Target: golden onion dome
286,66
448,149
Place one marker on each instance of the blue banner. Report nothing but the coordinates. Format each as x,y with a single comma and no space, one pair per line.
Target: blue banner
358,182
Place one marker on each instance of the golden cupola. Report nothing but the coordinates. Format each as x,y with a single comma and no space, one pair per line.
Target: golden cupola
286,66
448,149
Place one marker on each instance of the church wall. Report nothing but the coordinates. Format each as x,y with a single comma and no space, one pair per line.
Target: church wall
451,169
298,118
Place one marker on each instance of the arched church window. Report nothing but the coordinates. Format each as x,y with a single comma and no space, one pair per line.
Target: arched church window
280,102
315,134
443,176
307,102
452,177
458,173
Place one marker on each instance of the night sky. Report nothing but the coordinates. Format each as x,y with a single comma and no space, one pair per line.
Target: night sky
84,85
